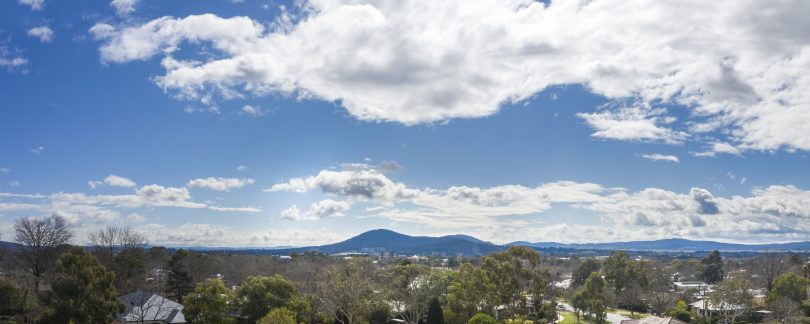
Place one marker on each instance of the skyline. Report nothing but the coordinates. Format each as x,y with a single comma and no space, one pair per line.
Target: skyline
263,123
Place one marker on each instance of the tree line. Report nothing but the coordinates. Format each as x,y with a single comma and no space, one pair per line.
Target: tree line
517,285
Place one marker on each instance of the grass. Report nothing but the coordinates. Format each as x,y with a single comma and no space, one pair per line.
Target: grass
570,318
636,315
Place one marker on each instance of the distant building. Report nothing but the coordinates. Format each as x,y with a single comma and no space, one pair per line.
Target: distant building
147,307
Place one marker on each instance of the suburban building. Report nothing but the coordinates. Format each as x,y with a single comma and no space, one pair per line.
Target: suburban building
148,307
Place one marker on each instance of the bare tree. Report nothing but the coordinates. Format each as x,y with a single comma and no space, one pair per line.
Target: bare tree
40,240
113,239
768,266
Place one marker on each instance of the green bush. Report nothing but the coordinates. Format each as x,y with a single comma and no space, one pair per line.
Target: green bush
481,318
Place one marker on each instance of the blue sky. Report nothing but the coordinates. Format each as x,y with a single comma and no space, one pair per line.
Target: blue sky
263,123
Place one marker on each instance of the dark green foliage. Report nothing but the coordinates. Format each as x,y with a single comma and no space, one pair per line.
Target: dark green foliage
258,295
208,303
179,282
584,271
83,291
130,269
712,268
790,286
481,318
435,314
591,299
381,314
10,298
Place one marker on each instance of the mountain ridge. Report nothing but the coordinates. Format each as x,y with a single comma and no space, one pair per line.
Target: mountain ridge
385,240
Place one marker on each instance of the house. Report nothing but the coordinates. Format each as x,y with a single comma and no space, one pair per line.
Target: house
653,320
707,308
148,307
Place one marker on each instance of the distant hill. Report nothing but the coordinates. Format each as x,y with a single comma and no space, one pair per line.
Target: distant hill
382,240
8,245
673,244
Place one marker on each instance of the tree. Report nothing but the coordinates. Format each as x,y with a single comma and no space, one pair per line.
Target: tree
584,270
470,291
130,270
40,241
435,314
208,303
410,287
789,286
516,273
347,291
279,315
785,310
769,266
732,297
659,293
712,268
10,298
482,318
113,239
259,294
616,270
806,271
590,300
83,291
179,281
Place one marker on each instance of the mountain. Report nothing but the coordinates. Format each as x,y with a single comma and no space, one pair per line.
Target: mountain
382,240
673,244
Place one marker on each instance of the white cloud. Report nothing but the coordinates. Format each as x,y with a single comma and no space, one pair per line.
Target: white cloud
773,213
38,150
633,123
719,148
118,181
136,218
242,168
14,183
253,110
661,157
44,33
220,184
323,209
736,67
124,7
248,209
367,184
5,170
35,5
292,213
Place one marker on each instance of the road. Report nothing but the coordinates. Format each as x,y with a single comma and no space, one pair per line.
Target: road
611,317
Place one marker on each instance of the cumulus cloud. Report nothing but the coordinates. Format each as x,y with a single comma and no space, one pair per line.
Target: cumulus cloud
322,209
291,214
220,184
35,5
44,33
705,199
633,124
115,181
661,157
124,7
737,67
118,181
